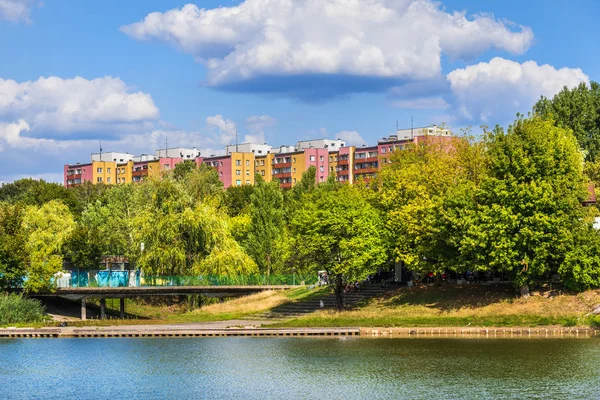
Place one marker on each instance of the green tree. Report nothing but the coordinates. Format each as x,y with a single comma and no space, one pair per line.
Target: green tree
47,228
264,241
37,193
12,245
339,231
237,199
182,170
529,205
577,109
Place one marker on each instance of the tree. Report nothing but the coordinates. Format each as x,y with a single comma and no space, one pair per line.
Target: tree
266,228
37,193
529,204
237,199
183,169
577,109
47,228
339,231
12,245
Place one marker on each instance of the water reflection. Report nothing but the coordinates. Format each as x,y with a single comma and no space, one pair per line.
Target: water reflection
252,368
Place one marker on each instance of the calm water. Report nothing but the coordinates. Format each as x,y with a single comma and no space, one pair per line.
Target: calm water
248,368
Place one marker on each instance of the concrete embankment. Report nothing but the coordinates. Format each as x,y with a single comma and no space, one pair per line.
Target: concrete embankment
222,330
475,332
159,331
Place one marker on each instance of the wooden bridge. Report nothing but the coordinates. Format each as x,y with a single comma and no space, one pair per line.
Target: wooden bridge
121,293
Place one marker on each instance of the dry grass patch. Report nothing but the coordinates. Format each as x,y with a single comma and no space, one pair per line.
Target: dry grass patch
251,304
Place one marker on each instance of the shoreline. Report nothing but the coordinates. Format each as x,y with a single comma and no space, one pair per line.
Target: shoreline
237,330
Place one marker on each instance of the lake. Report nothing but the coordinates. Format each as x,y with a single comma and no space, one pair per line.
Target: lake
302,368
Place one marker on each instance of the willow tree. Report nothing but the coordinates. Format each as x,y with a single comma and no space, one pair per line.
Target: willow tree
47,228
265,235
339,231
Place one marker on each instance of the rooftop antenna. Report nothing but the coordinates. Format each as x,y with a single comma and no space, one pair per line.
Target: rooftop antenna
166,144
100,146
236,141
396,125
411,127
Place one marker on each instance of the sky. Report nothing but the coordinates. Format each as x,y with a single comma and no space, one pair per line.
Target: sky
134,75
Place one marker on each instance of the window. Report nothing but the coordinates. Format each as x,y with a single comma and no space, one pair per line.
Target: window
247,163
312,158
238,172
321,158
256,163
118,180
99,179
108,180
122,170
99,170
391,148
247,172
108,170
294,159
118,171
238,162
247,182
221,173
330,158
262,162
294,180
331,169
321,179
383,149
321,168
262,172
166,167
294,170
238,182
221,164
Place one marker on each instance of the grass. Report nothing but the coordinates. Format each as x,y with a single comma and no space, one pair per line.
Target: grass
454,306
423,306
17,310
238,308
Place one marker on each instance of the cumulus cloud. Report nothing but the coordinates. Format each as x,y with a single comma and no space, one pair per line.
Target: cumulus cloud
266,45
352,138
493,92
256,125
15,10
66,106
11,138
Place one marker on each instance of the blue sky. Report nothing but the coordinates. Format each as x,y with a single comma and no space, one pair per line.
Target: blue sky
132,73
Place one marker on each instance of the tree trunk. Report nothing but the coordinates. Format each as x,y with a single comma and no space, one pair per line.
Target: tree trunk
339,292
524,291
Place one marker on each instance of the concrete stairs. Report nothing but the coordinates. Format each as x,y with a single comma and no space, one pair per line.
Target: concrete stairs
306,306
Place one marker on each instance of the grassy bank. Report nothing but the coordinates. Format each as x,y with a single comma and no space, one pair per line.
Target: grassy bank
238,308
17,310
461,306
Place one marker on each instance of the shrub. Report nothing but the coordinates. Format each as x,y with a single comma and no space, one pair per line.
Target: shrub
18,309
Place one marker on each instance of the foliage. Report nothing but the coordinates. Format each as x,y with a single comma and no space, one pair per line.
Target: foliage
581,267
577,109
340,232
38,192
12,245
183,169
15,309
47,228
237,199
530,203
264,241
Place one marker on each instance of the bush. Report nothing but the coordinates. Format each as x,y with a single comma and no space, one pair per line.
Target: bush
18,309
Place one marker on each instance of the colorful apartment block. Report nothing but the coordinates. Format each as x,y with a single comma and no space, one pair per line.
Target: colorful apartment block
242,162
234,169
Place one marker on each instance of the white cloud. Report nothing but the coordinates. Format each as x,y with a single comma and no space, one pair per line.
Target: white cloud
225,129
256,125
493,92
15,10
352,138
421,103
65,106
397,39
11,138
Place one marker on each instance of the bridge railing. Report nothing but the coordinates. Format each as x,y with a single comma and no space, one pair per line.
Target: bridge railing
134,278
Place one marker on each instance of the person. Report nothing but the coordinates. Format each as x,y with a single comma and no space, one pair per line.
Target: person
321,304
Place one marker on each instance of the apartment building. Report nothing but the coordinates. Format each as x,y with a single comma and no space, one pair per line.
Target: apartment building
234,169
242,162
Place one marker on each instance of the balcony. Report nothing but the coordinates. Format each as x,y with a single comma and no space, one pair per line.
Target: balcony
282,175
287,185
282,165
140,172
368,170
